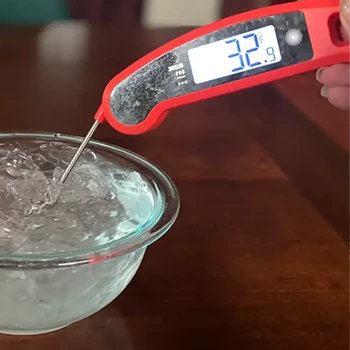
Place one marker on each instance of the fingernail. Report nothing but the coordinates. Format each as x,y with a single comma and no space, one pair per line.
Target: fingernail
345,6
345,14
318,75
324,91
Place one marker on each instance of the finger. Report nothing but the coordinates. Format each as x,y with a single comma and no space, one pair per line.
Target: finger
345,14
338,96
337,75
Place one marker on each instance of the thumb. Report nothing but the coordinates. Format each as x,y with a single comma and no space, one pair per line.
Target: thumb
345,15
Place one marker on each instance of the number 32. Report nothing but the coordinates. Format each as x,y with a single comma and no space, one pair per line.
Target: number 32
270,51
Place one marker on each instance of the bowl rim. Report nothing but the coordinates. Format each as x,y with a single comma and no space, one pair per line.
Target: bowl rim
166,212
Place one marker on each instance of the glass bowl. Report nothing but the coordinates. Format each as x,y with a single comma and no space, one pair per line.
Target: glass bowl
41,293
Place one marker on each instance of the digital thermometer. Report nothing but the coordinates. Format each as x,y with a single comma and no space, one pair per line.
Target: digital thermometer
236,53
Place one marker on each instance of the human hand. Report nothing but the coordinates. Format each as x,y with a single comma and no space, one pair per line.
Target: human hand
336,79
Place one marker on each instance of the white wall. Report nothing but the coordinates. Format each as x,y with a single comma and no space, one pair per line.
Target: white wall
170,13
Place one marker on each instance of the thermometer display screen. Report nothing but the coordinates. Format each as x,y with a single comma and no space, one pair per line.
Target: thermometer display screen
236,54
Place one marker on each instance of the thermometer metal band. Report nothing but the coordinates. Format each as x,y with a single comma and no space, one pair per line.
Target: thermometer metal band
172,74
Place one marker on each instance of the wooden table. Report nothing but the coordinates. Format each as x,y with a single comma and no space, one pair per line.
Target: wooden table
258,257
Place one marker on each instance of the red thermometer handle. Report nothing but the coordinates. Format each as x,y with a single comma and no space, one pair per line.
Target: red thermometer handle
235,53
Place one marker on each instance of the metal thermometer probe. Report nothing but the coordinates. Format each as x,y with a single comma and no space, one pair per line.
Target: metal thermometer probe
79,152
236,53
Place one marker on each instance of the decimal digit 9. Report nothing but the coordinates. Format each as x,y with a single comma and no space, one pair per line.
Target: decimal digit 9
271,52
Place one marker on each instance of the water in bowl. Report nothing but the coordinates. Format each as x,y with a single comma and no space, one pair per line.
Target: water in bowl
101,201
98,203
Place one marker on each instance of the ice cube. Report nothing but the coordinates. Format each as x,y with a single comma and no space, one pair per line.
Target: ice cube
89,156
127,226
72,195
135,178
17,173
4,230
19,160
90,171
94,188
43,163
57,173
30,187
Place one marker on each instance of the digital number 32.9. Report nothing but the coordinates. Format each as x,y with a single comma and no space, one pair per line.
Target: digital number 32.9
270,51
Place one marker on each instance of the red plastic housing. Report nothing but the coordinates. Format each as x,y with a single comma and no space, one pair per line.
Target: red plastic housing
321,17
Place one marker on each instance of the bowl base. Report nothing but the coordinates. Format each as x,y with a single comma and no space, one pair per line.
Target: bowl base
29,333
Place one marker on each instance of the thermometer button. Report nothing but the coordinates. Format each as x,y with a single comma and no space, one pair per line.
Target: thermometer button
294,37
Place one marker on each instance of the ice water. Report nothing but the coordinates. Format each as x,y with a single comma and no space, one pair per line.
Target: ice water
101,201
